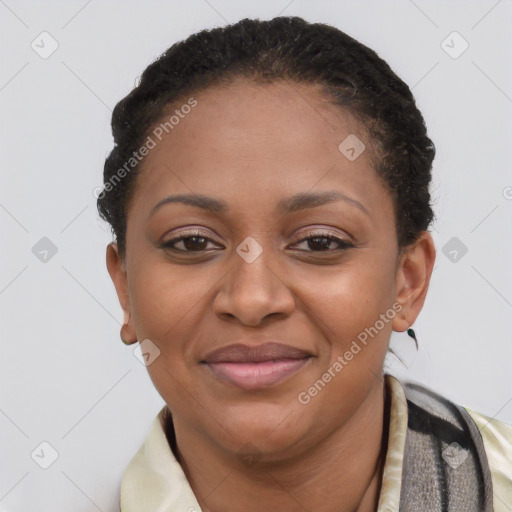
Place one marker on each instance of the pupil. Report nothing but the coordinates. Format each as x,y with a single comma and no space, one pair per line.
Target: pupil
321,245
193,245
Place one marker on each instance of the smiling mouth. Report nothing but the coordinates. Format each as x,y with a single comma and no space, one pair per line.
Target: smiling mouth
259,367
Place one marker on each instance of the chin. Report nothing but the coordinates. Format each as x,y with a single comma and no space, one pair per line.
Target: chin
268,430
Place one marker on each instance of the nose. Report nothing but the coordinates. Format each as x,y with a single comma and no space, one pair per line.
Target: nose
253,292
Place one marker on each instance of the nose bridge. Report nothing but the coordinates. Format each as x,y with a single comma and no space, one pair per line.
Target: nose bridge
252,289
251,271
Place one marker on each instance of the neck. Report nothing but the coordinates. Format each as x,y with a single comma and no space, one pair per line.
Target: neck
341,472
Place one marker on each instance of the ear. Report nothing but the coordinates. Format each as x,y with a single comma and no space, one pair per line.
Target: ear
412,279
116,269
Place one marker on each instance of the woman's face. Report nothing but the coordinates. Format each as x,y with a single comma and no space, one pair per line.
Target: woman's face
260,269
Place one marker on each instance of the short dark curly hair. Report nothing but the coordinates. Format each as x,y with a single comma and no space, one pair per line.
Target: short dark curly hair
284,48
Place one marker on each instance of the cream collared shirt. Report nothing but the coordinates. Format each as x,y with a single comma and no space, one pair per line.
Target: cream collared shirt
155,482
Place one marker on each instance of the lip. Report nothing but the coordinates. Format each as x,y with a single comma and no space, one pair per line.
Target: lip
256,367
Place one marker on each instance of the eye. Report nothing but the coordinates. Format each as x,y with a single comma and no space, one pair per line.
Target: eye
196,242
321,242
193,241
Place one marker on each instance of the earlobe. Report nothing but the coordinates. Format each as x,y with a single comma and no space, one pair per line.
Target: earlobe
412,280
400,322
117,270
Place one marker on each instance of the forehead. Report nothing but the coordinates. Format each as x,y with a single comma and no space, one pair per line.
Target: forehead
251,142
281,116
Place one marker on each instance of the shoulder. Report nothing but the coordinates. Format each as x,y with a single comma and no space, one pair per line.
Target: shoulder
154,479
494,435
497,439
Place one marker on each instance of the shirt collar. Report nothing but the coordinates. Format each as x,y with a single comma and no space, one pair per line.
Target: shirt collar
389,499
155,481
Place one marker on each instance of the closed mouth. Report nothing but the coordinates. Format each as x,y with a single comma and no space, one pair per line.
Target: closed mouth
255,367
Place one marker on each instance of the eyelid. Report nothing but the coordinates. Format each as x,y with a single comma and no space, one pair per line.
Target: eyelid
184,233
324,231
175,236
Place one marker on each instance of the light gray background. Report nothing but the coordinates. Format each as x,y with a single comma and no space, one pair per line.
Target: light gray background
66,378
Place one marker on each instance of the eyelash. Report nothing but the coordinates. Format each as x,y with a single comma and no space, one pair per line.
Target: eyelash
343,244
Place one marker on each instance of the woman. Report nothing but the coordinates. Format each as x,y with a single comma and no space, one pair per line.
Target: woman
269,196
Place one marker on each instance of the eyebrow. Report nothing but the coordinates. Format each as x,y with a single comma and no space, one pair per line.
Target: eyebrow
300,201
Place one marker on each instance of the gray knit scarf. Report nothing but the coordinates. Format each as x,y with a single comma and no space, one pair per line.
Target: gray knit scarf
445,466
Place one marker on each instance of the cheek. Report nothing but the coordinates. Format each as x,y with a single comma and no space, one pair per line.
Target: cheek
355,309
167,307
351,297
353,306
167,301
